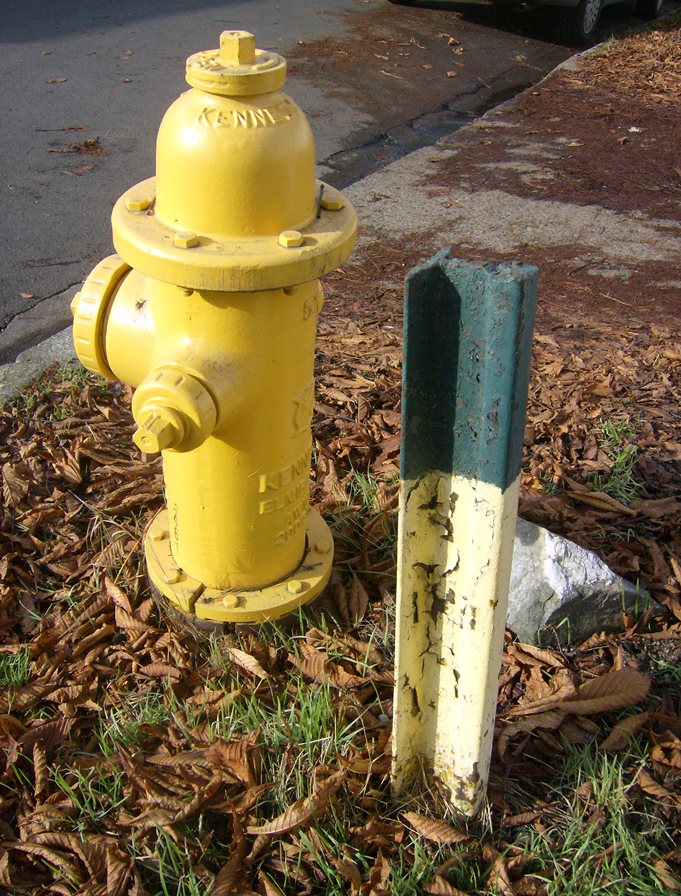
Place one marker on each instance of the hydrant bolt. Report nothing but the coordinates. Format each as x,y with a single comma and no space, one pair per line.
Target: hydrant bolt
185,239
160,429
332,203
291,239
137,203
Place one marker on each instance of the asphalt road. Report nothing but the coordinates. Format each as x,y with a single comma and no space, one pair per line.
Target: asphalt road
86,83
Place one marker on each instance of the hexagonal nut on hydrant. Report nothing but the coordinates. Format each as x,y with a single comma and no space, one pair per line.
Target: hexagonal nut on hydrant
160,429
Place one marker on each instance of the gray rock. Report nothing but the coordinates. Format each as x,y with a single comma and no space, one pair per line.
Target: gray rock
561,593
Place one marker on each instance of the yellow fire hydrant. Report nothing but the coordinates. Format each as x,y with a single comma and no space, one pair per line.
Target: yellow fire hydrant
209,310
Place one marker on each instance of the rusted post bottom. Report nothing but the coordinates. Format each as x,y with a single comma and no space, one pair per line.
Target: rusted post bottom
468,335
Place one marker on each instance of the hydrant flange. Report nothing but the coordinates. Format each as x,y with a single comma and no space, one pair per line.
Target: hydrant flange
232,265
303,585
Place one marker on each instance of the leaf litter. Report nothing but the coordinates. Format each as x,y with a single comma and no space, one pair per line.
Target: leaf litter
141,756
124,731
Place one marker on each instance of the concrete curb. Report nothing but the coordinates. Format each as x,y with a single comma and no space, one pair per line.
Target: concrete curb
31,363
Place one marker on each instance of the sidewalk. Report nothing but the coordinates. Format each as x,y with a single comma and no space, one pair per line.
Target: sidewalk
580,175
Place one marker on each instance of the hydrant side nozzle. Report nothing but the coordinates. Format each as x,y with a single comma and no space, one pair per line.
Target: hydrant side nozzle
173,410
90,307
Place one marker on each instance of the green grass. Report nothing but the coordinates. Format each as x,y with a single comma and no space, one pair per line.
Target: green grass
94,793
170,870
299,731
363,529
43,392
15,668
599,837
124,726
619,481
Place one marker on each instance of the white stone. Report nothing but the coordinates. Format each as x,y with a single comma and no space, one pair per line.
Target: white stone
560,593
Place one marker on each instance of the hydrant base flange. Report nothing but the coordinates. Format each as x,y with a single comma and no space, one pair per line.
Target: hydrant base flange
271,602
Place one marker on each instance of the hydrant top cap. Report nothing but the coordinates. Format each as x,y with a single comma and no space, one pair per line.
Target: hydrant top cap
237,68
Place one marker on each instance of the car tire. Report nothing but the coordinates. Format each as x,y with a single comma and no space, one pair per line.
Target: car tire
579,23
648,9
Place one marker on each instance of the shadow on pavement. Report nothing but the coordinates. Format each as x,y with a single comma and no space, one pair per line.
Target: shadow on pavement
37,18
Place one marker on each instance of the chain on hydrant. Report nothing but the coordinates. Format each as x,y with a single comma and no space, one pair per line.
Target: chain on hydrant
209,310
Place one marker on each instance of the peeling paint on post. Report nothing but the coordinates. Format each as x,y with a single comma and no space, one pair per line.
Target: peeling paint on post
468,340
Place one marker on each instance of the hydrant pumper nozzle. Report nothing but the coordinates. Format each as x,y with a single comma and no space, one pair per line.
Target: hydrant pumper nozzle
209,311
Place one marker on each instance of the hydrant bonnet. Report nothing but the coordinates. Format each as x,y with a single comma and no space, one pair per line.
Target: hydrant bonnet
235,169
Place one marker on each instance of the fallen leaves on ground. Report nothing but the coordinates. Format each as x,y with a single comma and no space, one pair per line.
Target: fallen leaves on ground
120,693
646,64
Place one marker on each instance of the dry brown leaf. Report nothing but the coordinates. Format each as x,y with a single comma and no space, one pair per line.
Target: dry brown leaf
160,670
439,887
5,875
614,690
358,600
247,662
117,595
41,775
228,878
241,758
648,784
268,885
378,876
664,873
131,624
529,886
550,719
521,818
15,483
499,877
54,857
349,870
546,657
437,831
47,735
624,730
667,751
303,810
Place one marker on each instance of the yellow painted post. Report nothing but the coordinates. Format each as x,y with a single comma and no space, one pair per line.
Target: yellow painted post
468,333
209,311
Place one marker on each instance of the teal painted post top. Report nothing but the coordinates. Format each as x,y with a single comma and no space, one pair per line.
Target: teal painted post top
467,347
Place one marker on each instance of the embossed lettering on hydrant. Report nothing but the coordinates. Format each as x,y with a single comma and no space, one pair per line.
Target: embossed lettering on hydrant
213,117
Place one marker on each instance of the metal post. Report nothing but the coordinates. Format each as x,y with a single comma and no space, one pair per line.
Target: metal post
468,339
